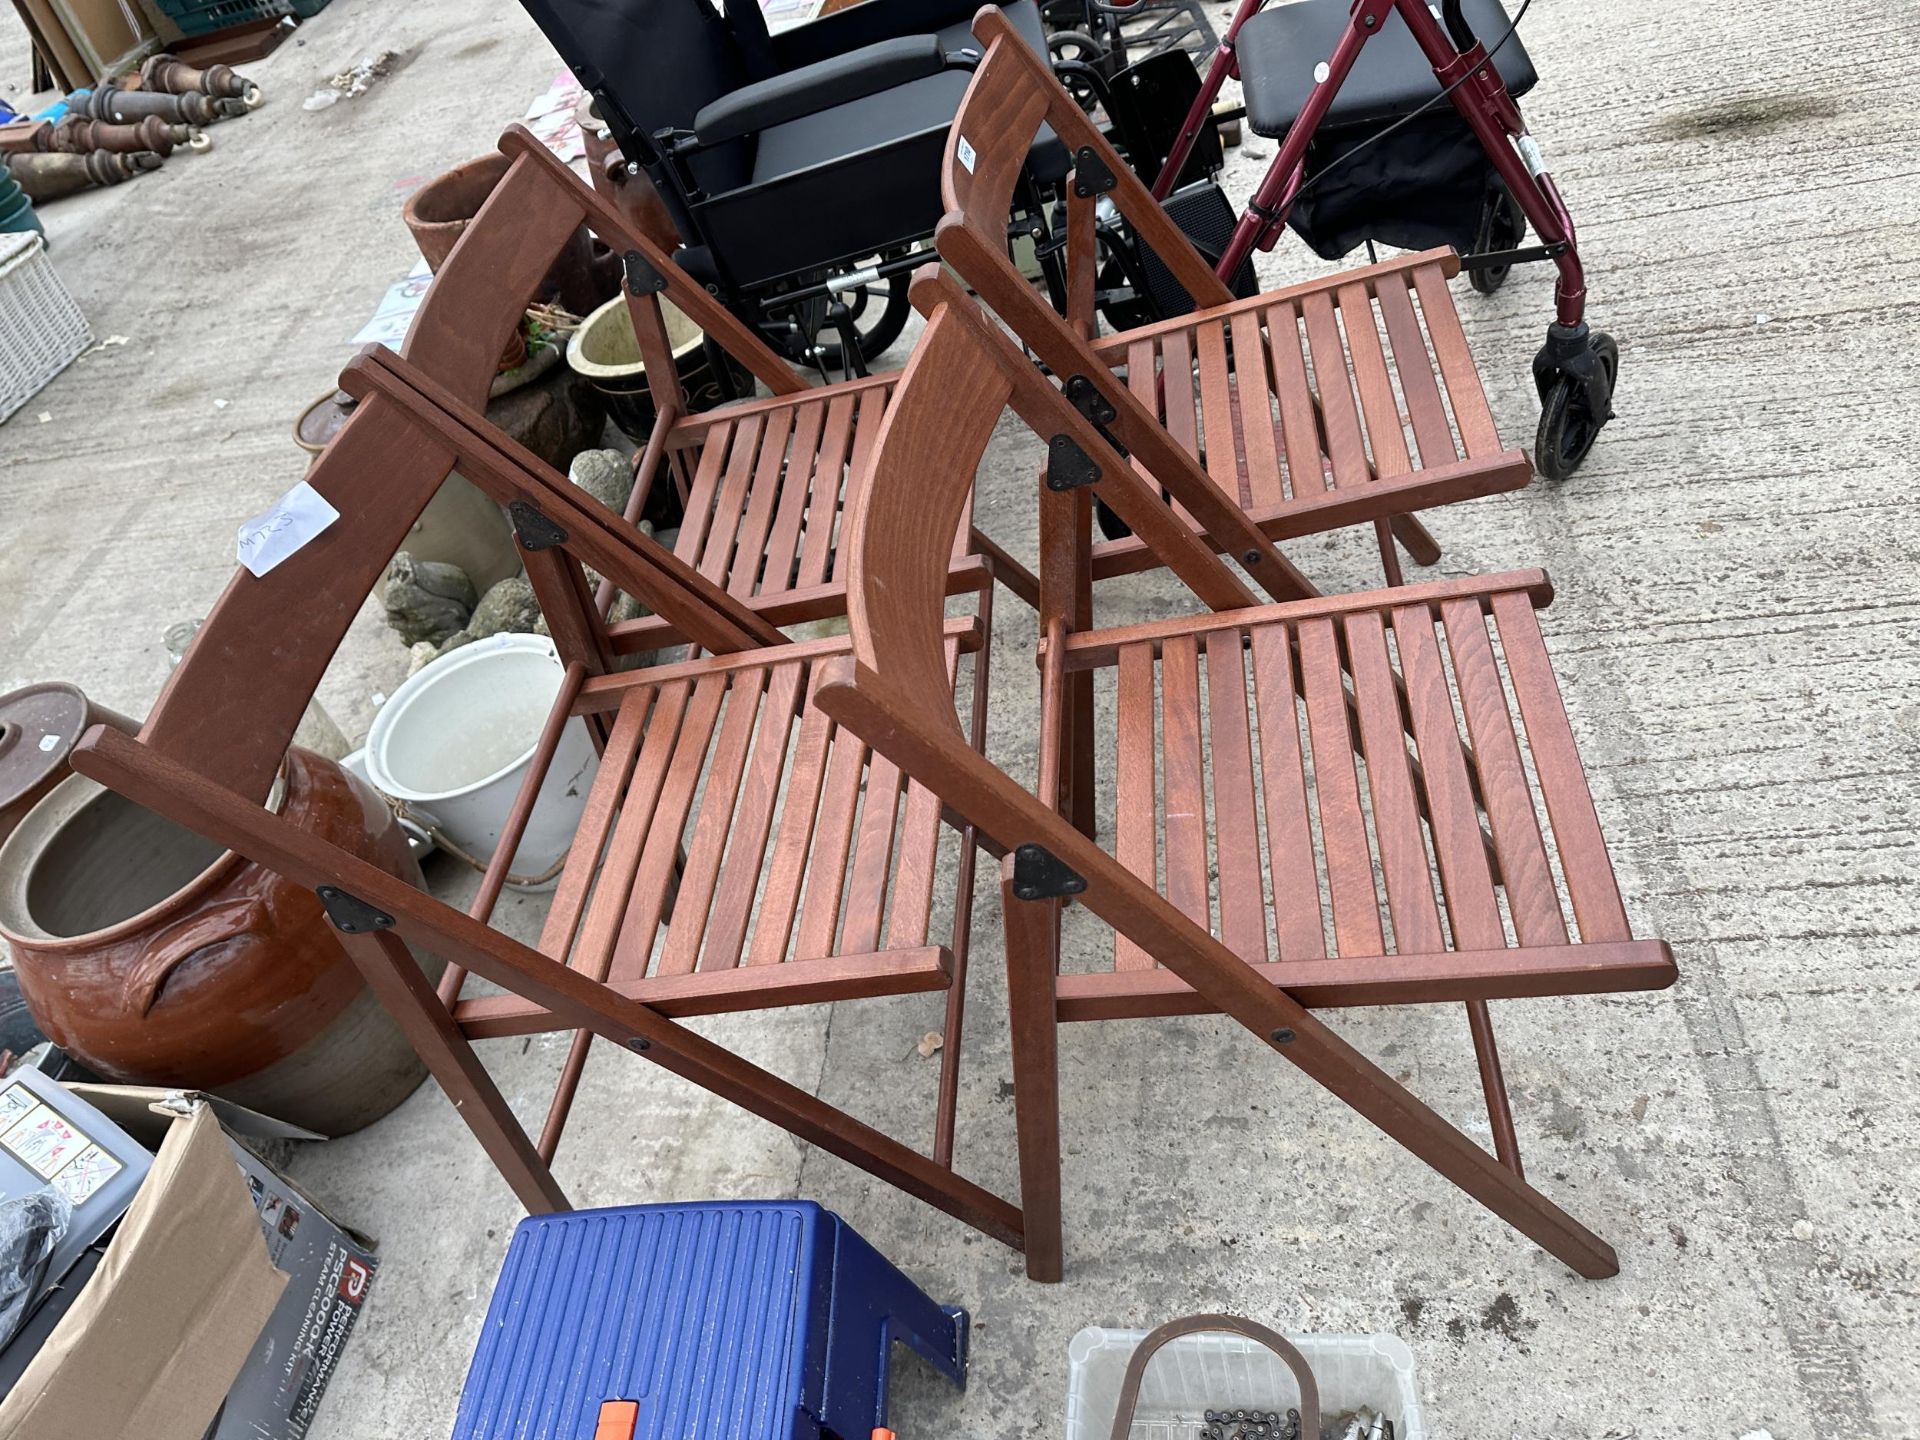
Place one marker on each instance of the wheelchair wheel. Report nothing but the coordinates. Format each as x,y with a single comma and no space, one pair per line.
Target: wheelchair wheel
1502,227
880,312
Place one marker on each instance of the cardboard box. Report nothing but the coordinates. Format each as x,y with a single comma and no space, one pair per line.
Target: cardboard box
221,1305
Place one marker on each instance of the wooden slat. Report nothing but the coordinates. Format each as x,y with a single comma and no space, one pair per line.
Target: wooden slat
648,901
1236,830
1379,405
1176,368
596,823
1452,813
1563,781
1415,366
866,902
715,823
1185,809
750,544
1096,648
1306,472
1457,369
1396,806
1381,980
1343,825
692,539
919,843
1345,448
832,843
594,954
1525,873
728,992
873,412
1298,925
1216,411
820,427
740,878
731,501
1136,808
800,797
824,486
1256,411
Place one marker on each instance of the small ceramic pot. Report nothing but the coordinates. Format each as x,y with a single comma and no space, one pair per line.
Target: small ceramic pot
156,958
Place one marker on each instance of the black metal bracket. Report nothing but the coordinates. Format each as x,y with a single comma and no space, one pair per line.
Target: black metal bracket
1098,411
1038,874
1085,397
534,530
1068,466
350,914
642,278
1091,175
1494,259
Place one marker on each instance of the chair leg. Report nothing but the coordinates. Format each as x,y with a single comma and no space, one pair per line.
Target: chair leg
1499,1113
1420,544
397,982
1033,944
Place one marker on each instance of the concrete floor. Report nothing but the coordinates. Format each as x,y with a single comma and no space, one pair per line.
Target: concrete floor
1735,628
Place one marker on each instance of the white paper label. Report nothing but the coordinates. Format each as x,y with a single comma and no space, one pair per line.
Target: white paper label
274,534
1320,73
966,154
1531,154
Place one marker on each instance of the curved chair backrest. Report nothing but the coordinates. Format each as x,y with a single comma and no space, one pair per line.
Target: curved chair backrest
229,711
1013,93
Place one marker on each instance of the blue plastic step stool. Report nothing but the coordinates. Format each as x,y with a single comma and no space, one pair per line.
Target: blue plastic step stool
764,1320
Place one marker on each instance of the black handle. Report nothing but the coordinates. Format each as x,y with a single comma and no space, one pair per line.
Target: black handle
1455,16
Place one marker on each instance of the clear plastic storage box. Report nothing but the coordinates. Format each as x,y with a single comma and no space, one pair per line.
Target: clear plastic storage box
1196,1373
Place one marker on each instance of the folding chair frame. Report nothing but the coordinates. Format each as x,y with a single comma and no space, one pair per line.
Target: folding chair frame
945,409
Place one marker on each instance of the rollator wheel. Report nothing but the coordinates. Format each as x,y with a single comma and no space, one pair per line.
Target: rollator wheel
1502,227
1569,421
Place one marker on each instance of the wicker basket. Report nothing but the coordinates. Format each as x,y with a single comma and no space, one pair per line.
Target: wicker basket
41,330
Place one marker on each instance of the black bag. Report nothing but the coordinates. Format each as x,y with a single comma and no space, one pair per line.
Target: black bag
1424,185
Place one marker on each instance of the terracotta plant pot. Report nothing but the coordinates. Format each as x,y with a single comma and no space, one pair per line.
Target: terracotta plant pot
439,212
156,958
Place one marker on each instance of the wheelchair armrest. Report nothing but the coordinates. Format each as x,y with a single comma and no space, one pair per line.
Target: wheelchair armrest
817,87
864,24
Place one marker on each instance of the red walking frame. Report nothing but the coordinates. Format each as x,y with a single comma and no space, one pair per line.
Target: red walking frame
1575,370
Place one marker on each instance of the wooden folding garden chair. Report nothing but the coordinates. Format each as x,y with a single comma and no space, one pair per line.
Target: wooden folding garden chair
738,850
1298,815
1311,408
764,481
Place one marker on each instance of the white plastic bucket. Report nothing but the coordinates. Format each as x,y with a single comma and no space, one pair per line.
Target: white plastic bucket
454,743
1193,1374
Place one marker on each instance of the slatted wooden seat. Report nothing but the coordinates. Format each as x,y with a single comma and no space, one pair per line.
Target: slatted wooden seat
739,850
1343,401
1268,746
1355,873
808,872
766,482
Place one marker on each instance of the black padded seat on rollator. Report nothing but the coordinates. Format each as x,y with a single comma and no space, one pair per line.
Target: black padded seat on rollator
1431,183
1280,48
793,156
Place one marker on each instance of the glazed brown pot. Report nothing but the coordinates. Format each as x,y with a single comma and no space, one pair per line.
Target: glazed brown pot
439,212
156,958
